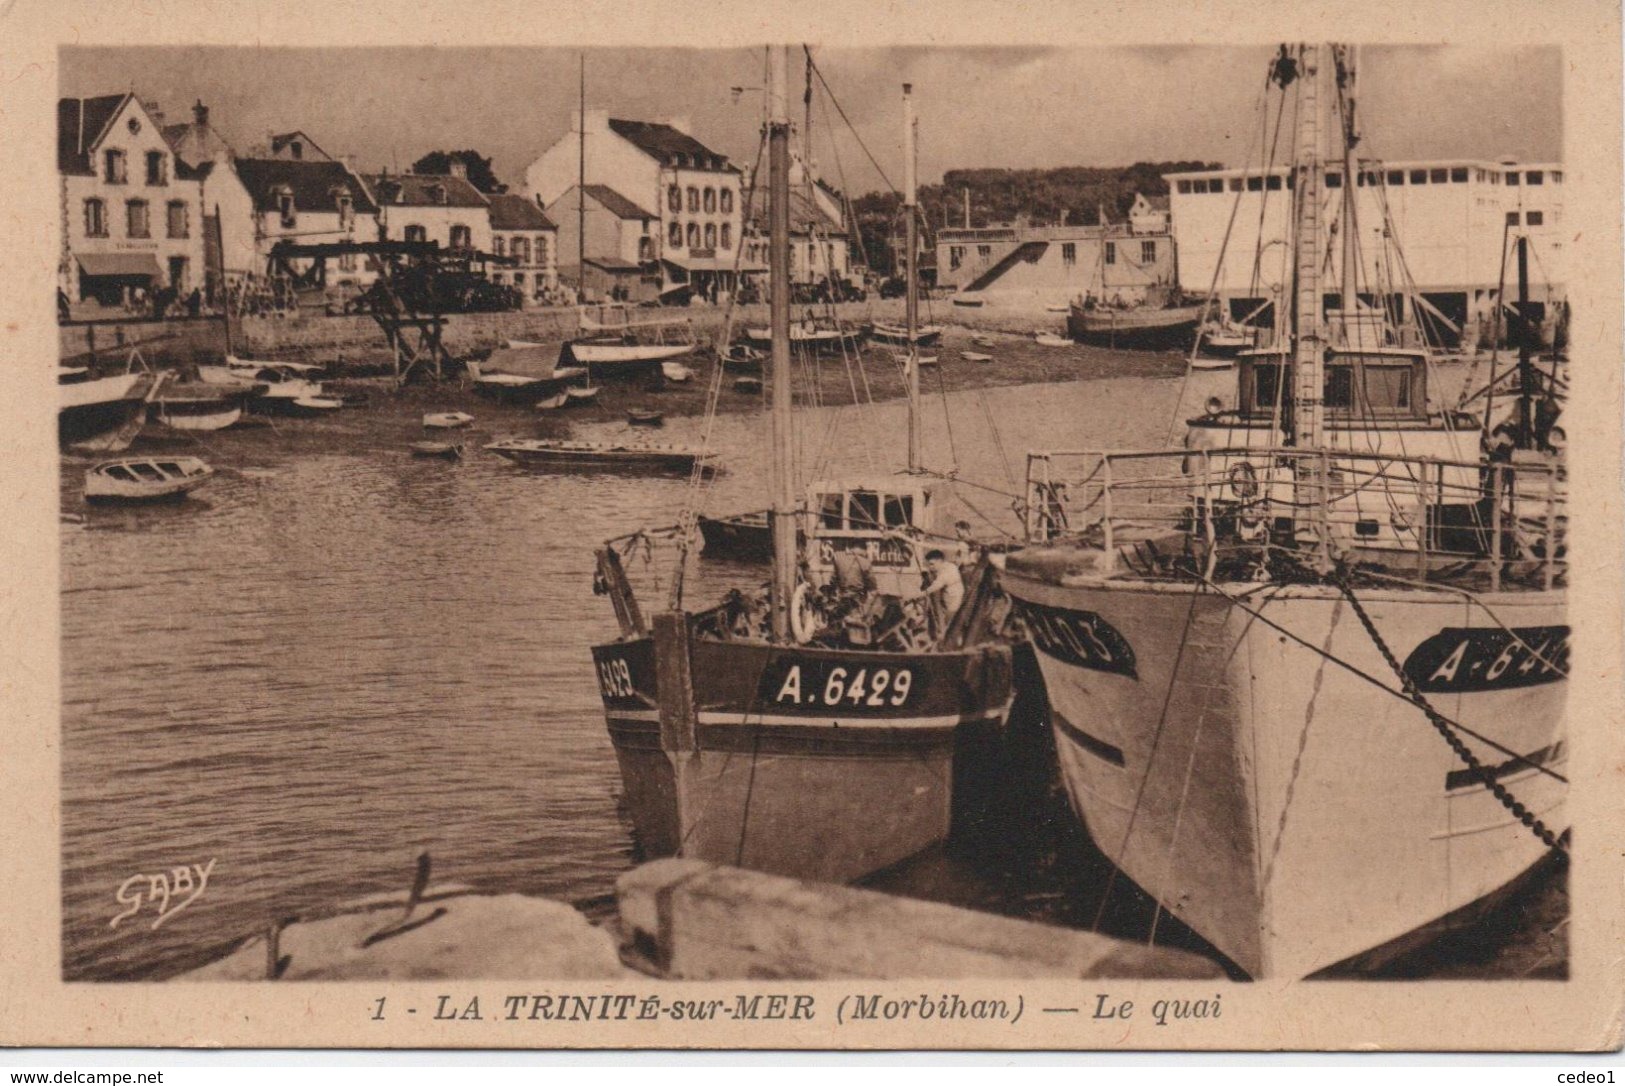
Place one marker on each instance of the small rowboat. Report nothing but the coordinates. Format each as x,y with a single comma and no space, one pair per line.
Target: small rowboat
317,405
640,417
969,303
1062,308
975,356
984,341
436,449
1050,339
748,384
553,403
603,455
676,372
587,394
447,420
145,479
924,336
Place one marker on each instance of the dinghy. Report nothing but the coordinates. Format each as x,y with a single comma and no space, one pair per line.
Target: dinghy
145,479
975,356
603,455
1050,339
447,420
554,402
316,405
199,406
676,372
436,449
584,394
925,336
640,417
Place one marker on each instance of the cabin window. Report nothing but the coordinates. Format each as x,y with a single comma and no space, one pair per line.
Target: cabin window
1535,177
1396,177
693,235
177,219
1148,252
1334,180
1069,254
899,510
864,510
1388,388
1255,184
1111,252
137,224
727,199
1339,390
1458,175
832,512
157,168
674,198
710,199
115,168
727,232
95,218
676,235
693,199
461,237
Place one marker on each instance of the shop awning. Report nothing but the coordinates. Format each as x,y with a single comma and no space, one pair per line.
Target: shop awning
120,265
713,264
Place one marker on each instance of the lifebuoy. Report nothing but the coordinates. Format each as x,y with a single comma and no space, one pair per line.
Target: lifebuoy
1244,488
803,615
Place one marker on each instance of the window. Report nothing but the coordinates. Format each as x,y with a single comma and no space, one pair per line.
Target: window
1339,391
347,262
693,234
1184,188
346,206
157,168
956,256
1535,177
1235,184
498,278
1512,218
1148,252
115,168
285,208
1458,175
1334,180
1534,218
727,199
710,235
462,237
95,219
1557,177
499,246
136,225
1069,253
693,199
899,510
177,219
1478,175
1273,183
1512,177
675,235
1266,387
646,250
831,512
1397,177
521,250
437,194
674,198
1387,388
984,251
296,149
1419,177
864,511
416,233
541,248
519,280
1255,184
727,231
710,199
1111,252
1438,176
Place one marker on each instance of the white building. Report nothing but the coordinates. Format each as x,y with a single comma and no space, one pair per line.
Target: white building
820,243
659,166
521,232
621,244
263,201
442,208
1451,219
132,213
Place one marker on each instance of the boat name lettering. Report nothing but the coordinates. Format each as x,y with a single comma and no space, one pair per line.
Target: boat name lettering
890,551
1461,660
615,678
859,688
1081,638
165,890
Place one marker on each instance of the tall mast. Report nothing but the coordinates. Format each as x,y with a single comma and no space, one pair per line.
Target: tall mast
581,186
912,305
1348,59
1526,344
1309,350
778,192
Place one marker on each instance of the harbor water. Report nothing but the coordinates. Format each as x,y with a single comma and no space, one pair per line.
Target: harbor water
335,657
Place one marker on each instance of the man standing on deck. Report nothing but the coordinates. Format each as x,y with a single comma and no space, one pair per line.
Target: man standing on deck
945,592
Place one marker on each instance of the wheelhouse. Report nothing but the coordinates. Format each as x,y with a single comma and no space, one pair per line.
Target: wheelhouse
893,520
1371,385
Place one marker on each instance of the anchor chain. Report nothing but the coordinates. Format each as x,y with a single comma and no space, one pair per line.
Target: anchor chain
1442,726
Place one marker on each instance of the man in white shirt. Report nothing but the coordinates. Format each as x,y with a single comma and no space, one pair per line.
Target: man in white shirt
946,590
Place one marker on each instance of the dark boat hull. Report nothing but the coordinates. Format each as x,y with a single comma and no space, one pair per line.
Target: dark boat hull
745,536
786,770
1134,328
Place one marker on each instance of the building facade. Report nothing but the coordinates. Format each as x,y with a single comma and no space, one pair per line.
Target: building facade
820,242
622,244
522,233
132,212
263,201
1451,218
442,208
694,191
1115,263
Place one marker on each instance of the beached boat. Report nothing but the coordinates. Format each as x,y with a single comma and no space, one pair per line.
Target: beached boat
926,335
741,358
104,414
748,385
975,356
285,382
145,479
581,394
198,406
447,420
518,387
577,455
1148,326
638,416
314,406
631,346
1307,672
553,402
1050,339
607,354
807,733
440,449
965,302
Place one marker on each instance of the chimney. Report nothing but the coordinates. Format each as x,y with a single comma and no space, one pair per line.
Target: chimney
459,169
200,114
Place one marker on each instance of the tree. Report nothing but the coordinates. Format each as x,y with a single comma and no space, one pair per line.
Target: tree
478,166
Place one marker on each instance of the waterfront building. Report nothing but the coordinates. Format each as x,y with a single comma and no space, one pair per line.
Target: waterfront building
1454,214
1115,262
293,147
694,191
525,235
442,208
820,242
621,249
131,210
262,201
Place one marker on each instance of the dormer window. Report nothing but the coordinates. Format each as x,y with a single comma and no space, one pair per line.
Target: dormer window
296,149
116,174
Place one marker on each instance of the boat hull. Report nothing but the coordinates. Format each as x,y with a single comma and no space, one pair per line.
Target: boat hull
1144,328
1274,801
777,780
923,337
613,355
586,457
746,537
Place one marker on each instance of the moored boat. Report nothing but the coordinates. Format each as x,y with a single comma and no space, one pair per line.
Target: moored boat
740,535
540,452
145,479
926,335
1146,326
447,420
104,414
199,406
437,449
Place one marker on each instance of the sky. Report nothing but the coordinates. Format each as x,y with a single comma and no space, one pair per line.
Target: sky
1014,107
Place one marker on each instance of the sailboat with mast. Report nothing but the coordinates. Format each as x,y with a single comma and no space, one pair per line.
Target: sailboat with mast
751,734
1307,673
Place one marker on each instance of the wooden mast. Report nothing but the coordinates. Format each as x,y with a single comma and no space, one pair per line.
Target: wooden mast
784,498
581,186
912,305
1348,58
1309,350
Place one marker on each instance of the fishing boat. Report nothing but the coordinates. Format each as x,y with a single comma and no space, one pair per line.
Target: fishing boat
926,335
812,335
782,732
1307,672
436,449
548,453
145,479
745,536
197,406
104,414
1161,321
447,420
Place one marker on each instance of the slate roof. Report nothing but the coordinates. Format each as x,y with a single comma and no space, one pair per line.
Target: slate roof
805,215
80,122
282,139
414,190
313,184
618,205
669,145
510,211
195,143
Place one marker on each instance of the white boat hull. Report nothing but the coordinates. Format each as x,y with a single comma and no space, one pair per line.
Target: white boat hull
1278,804
606,354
